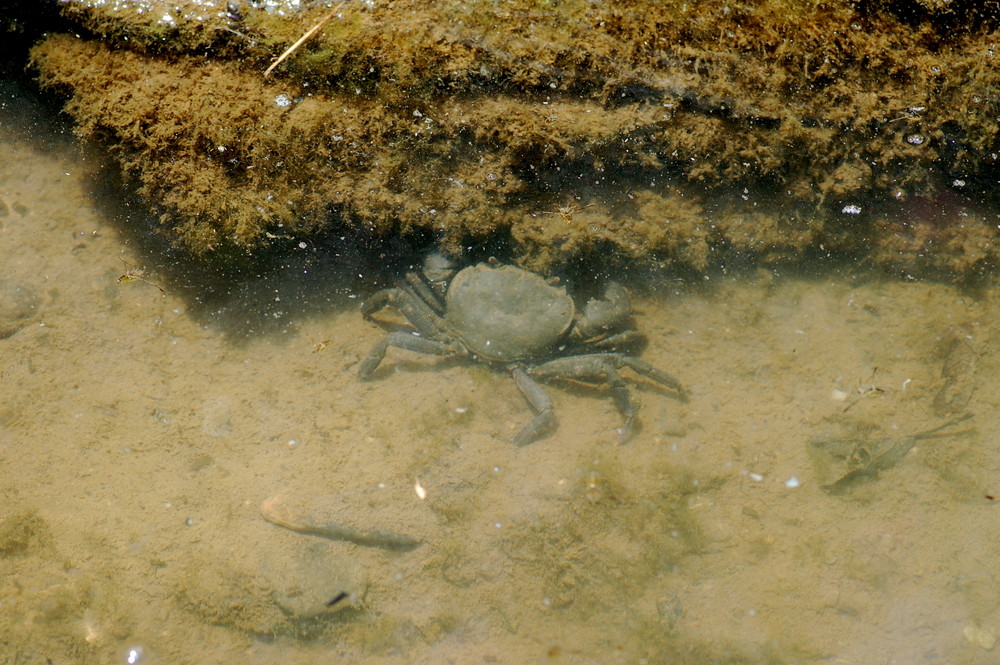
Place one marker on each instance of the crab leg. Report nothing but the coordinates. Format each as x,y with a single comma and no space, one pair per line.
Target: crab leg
626,339
544,420
583,367
407,341
655,374
416,311
378,300
425,292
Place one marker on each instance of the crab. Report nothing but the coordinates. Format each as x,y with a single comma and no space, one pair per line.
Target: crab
513,319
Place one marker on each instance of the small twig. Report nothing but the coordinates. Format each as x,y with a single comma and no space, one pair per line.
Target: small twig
303,38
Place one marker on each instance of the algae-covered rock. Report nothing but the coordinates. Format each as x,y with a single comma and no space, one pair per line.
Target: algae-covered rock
650,131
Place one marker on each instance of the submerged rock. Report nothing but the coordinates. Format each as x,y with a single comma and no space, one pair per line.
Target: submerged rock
647,131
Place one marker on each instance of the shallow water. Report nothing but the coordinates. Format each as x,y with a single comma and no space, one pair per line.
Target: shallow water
140,435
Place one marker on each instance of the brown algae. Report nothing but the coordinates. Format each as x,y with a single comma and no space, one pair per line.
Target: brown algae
677,131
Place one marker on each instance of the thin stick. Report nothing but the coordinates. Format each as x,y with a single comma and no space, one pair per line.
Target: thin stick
303,38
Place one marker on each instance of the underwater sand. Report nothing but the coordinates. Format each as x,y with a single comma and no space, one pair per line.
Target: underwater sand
140,432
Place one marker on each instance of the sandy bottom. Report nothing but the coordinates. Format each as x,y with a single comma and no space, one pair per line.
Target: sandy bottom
139,438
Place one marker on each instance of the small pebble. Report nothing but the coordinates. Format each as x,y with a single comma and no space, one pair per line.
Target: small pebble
981,637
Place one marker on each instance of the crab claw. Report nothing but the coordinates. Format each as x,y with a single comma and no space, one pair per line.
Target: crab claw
605,314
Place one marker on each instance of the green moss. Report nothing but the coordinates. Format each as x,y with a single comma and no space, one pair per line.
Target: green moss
657,643
382,634
21,531
609,543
